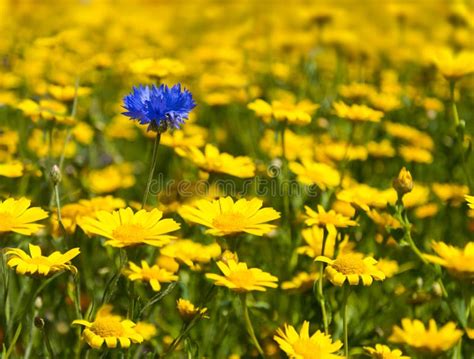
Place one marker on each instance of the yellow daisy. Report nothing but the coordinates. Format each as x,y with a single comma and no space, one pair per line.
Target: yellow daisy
154,274
330,219
302,346
454,66
111,178
239,278
381,351
301,282
458,261
123,228
224,217
357,113
431,339
321,174
314,236
191,253
16,216
146,330
211,160
351,267
37,263
110,329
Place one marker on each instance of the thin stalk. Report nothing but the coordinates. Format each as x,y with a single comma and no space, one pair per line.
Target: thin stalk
248,325
284,165
321,299
460,136
47,343
345,320
152,167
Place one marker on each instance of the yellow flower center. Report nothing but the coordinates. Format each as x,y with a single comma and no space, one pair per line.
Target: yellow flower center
349,264
107,327
242,278
7,221
230,222
129,233
307,349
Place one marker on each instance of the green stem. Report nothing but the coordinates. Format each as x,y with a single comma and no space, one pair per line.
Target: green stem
347,292
152,167
460,136
321,299
248,325
285,181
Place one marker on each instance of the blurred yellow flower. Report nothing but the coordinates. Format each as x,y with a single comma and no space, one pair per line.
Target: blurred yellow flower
454,66
153,275
120,127
191,253
357,113
224,217
211,160
67,93
351,267
431,339
388,267
381,351
328,219
383,148
450,192
123,228
83,133
111,178
146,330
301,282
458,261
415,154
12,169
17,216
321,174
314,236
37,263
39,144
303,346
239,278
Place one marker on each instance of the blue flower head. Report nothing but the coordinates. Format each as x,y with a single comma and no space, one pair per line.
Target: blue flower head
159,107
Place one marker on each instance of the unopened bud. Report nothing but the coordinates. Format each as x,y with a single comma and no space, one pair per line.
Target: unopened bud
403,183
228,256
55,175
39,322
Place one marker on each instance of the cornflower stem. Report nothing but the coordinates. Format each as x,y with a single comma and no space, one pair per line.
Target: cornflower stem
460,135
152,167
58,204
248,324
47,343
320,296
347,293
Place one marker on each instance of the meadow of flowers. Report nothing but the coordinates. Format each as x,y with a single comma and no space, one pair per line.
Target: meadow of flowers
236,179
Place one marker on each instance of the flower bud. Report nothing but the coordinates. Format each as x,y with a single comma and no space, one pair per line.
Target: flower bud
39,322
55,175
403,183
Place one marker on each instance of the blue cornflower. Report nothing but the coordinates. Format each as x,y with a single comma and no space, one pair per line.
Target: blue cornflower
159,107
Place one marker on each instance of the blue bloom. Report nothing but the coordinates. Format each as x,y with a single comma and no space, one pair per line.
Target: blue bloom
159,107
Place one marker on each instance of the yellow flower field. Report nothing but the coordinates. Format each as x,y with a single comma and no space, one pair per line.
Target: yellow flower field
237,179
